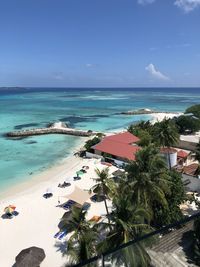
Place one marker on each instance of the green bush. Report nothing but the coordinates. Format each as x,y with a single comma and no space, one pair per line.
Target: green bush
187,124
91,143
194,110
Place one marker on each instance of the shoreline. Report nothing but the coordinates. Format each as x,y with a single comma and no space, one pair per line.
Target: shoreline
157,117
41,177
38,218
58,166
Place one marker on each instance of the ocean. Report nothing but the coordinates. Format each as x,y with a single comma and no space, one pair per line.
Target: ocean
95,108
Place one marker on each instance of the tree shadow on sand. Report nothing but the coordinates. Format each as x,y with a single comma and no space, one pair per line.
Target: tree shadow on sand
186,243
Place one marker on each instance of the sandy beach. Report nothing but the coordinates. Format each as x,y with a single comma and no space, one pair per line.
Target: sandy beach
156,117
38,217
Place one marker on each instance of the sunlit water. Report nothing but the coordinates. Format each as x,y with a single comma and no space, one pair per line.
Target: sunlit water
95,109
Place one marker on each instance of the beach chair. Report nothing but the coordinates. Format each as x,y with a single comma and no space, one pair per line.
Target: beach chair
62,235
15,213
57,234
68,204
86,206
76,178
47,195
63,185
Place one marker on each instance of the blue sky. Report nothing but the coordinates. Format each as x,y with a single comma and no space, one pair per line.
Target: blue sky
99,43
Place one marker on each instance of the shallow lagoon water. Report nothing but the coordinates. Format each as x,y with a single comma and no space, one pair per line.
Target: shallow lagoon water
80,108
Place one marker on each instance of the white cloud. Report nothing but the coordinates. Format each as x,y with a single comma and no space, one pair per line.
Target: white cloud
146,2
89,65
187,5
156,73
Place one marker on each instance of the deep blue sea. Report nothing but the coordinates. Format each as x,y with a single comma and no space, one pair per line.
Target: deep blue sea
95,109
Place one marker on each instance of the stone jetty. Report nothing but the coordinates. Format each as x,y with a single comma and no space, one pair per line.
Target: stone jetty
53,128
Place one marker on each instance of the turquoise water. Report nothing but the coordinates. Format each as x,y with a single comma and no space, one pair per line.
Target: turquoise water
95,109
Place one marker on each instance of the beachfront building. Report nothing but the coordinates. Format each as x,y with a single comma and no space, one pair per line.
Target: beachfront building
118,148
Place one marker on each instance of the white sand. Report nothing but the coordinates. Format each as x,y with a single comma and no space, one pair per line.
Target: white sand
38,218
157,117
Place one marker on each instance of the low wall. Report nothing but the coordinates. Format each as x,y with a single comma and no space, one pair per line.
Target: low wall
194,184
186,145
92,155
119,162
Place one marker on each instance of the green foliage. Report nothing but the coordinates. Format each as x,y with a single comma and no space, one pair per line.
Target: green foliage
194,110
187,124
165,133
148,178
171,213
91,142
81,244
107,155
145,137
143,125
127,223
104,185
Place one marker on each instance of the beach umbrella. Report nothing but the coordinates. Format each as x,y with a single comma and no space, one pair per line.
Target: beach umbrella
30,257
9,209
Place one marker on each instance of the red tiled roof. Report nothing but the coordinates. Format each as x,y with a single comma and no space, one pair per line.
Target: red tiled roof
182,154
125,138
117,149
169,150
191,169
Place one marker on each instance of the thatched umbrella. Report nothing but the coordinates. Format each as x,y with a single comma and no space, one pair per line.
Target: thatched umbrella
31,257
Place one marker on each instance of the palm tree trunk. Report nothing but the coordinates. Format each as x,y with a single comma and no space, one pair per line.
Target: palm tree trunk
169,160
106,206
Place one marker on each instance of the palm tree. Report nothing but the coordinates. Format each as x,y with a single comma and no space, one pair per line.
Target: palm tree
127,223
166,134
104,186
81,244
148,178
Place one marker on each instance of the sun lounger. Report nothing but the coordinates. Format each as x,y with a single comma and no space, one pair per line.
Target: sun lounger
76,178
62,235
63,185
47,195
15,213
68,204
95,219
57,234
8,216
96,198
86,206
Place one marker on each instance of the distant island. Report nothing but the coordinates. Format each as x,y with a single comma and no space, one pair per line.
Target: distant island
143,111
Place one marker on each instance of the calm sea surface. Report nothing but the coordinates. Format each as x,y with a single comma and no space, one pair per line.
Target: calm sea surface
95,109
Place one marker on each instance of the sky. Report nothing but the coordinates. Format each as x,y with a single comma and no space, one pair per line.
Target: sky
100,43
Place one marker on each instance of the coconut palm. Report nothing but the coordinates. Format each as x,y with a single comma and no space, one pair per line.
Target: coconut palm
127,223
104,185
148,177
166,134
81,244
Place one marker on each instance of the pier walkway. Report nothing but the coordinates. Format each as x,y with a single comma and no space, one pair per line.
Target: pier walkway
55,128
